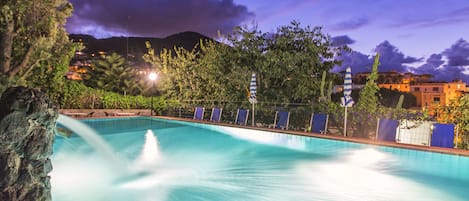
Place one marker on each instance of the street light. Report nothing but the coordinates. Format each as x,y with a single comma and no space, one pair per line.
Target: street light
152,76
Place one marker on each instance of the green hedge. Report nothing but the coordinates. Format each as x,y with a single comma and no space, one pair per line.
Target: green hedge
78,96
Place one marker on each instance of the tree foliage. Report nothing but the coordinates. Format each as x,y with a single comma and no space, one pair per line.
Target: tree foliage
364,114
288,64
386,98
76,96
457,112
31,36
368,100
111,73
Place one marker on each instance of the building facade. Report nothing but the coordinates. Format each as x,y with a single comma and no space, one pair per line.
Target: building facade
428,94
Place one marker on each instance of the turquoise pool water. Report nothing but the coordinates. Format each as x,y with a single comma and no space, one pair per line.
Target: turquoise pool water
207,162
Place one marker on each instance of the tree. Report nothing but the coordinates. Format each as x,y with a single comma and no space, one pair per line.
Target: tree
29,31
179,76
389,98
288,63
364,114
457,112
49,74
295,59
368,101
110,73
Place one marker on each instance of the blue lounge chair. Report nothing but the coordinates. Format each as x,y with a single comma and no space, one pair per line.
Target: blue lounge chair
387,130
319,122
216,114
281,119
242,117
199,113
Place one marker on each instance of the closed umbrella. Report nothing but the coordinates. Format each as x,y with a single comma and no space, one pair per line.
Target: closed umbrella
252,94
347,100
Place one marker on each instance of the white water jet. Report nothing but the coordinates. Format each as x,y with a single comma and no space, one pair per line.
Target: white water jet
93,139
150,152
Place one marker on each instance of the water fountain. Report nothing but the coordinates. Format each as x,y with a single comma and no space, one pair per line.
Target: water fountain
93,139
150,152
149,156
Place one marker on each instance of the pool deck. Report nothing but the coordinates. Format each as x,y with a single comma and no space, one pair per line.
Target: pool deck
443,150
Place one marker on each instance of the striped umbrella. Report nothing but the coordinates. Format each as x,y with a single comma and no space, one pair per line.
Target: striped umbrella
252,94
253,89
348,101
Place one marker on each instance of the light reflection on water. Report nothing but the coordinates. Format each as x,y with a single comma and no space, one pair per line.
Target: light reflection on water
201,164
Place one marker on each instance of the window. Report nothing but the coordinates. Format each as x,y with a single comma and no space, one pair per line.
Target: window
435,89
436,99
417,89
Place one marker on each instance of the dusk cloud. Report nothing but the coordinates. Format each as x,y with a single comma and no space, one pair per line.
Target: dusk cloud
446,66
458,53
391,59
357,61
342,40
156,18
351,24
449,65
455,16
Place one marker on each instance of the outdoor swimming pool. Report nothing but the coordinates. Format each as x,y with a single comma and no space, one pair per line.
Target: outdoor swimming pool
207,162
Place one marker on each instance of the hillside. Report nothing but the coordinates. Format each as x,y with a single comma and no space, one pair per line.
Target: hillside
136,45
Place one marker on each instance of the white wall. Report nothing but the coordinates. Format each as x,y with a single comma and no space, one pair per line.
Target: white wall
411,132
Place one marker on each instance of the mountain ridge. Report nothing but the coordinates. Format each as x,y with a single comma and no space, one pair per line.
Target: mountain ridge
134,47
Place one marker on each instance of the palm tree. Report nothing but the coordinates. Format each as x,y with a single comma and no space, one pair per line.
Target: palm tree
111,73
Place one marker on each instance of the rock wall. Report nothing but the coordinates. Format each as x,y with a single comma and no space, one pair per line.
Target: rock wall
27,122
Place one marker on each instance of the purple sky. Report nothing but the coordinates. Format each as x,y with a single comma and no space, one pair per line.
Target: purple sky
422,36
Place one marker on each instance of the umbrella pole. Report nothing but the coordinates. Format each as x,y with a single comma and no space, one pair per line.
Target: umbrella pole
345,122
253,114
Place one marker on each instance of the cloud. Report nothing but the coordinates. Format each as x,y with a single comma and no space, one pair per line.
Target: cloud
449,65
456,16
458,53
459,12
156,18
342,40
391,59
357,61
350,24
431,65
446,66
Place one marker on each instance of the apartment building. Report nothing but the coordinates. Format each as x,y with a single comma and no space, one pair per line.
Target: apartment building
428,94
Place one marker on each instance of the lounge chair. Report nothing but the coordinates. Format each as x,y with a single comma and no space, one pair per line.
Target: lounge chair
216,114
79,114
318,123
199,113
125,114
281,119
242,117
387,129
